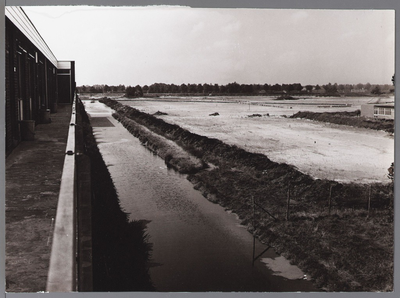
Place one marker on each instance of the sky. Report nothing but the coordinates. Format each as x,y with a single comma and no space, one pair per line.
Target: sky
178,44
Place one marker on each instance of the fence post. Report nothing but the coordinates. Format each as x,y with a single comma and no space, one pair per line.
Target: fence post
330,199
288,202
254,229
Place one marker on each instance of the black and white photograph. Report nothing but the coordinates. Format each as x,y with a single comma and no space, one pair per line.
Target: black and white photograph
171,148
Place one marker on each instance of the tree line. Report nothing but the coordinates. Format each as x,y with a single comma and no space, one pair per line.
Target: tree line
238,89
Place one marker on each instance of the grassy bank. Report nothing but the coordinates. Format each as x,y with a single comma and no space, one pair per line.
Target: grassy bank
348,118
173,155
120,248
326,229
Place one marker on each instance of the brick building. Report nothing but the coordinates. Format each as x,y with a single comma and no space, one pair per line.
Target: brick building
36,82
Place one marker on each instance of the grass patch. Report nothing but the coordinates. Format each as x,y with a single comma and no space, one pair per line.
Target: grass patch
348,118
173,155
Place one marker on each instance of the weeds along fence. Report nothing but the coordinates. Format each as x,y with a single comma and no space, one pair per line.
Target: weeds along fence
367,200
238,175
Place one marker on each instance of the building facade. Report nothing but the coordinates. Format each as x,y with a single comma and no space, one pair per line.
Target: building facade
36,82
382,111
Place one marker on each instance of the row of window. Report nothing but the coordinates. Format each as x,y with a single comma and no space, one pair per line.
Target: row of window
383,111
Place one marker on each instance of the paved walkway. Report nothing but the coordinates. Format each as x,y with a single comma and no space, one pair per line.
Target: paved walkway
33,174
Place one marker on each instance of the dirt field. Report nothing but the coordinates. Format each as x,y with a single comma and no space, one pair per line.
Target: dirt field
322,150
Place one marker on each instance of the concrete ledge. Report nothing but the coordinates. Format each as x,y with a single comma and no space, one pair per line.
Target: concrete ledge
62,271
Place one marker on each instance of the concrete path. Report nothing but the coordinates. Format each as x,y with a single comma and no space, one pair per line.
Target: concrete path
33,173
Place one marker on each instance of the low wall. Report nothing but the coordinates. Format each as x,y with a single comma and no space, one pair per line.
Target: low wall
62,277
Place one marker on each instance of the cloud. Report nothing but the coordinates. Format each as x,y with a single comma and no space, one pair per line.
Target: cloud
198,28
231,27
348,34
299,16
145,45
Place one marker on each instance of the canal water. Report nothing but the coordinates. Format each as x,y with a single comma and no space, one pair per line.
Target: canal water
197,245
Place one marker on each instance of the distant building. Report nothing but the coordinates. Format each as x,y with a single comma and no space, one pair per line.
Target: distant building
358,90
382,111
36,82
321,90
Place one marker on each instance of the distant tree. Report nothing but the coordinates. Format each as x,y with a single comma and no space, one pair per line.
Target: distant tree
348,88
250,88
266,87
393,80
145,89
130,91
200,88
192,88
297,87
386,88
330,88
309,88
184,88
207,88
256,88
359,86
166,88
246,89
174,88
223,89
215,88
233,88
376,90
154,88
391,172
106,88
367,86
139,91
341,88
276,88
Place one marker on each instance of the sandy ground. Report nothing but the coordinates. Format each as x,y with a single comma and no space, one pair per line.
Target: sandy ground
322,150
